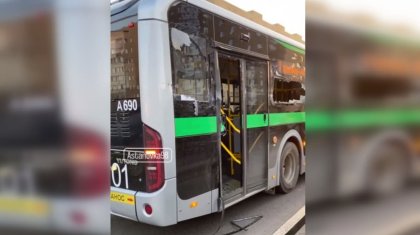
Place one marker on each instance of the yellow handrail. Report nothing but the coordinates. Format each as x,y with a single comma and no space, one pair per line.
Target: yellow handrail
231,123
230,153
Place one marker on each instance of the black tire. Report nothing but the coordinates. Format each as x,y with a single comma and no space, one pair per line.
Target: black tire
289,168
388,171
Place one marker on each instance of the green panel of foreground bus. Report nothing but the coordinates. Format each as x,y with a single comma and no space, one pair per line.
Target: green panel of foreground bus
330,120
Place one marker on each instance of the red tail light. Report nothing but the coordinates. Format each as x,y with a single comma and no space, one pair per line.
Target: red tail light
88,163
155,174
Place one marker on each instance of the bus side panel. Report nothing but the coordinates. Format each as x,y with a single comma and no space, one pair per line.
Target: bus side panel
196,165
195,206
196,174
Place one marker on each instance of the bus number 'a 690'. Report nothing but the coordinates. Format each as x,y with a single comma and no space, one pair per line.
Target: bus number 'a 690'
127,105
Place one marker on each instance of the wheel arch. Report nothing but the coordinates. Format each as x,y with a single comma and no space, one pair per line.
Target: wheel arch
396,137
294,137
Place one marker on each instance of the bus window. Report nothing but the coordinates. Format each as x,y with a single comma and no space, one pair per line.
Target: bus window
191,30
371,88
124,64
256,73
288,69
190,66
285,62
288,92
227,32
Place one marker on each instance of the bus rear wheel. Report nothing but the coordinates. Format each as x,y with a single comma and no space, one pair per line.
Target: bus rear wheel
388,171
289,168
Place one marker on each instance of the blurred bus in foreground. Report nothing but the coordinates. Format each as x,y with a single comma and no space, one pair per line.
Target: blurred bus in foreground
53,158
363,114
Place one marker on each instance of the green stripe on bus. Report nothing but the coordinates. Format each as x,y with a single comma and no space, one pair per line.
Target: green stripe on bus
274,119
189,126
256,120
291,47
286,118
361,118
318,120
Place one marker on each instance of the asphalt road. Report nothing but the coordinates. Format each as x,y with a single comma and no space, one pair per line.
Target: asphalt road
391,215
275,209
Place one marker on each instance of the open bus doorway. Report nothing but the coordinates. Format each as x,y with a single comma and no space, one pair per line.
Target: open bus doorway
243,142
231,138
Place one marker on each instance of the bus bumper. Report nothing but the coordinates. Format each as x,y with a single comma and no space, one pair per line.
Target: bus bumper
163,203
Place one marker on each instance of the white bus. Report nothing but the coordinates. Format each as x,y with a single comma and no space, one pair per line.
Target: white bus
207,110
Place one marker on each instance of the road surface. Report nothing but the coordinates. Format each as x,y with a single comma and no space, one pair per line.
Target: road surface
397,214
275,209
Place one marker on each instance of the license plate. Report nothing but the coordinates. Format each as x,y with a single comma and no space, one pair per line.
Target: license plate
122,198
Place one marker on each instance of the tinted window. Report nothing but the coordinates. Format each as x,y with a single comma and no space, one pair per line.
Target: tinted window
191,20
191,31
377,88
191,66
256,86
236,35
288,73
285,62
124,64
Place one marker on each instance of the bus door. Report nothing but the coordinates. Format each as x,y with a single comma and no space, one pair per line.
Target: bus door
243,109
256,131
231,123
